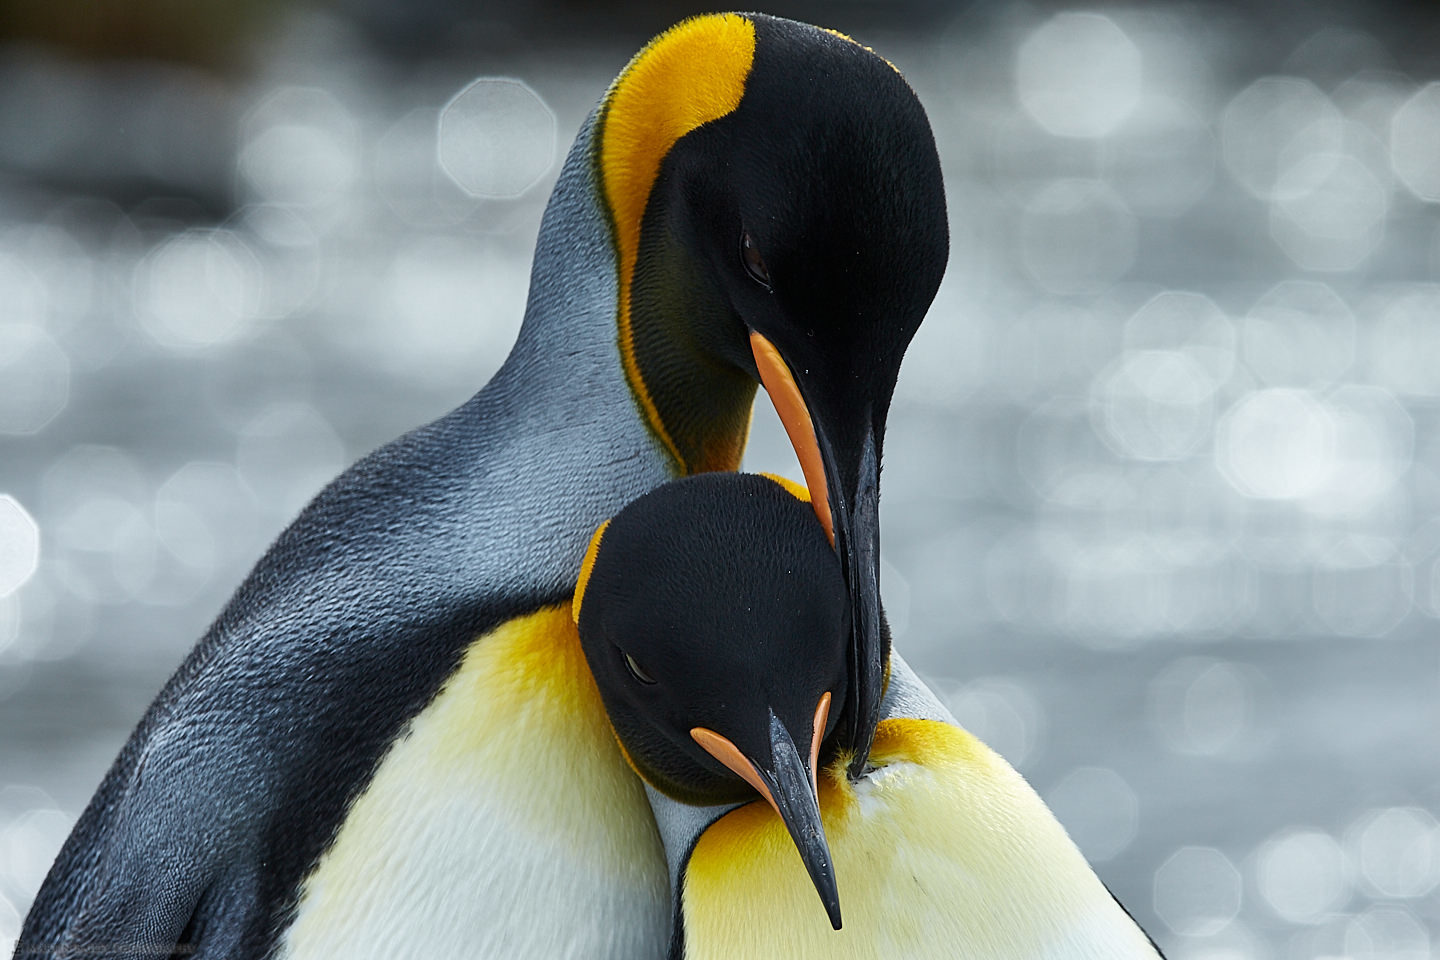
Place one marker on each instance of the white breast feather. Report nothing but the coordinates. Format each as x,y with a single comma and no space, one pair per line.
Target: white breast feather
505,824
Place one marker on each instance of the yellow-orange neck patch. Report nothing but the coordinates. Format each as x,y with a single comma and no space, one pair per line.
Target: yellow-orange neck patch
691,74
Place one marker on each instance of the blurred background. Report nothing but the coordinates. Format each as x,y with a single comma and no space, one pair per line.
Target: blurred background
1162,493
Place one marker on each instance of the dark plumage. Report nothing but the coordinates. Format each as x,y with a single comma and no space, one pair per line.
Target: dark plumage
716,602
725,591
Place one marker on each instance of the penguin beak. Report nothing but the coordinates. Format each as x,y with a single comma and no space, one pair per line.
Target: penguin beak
838,455
791,788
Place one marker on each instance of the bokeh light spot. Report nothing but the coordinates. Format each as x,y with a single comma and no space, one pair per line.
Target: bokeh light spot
1054,449
409,178
205,522
1202,706
1407,339
19,545
35,374
287,254
1276,444
1110,592
1271,125
1188,322
1235,941
9,926
1374,447
1197,891
1415,142
496,138
1397,851
107,550
297,165
1098,808
198,288
453,308
29,844
1329,214
1363,600
1299,334
1154,405
10,617
24,295
1078,75
300,148
286,454
1386,933
89,470
1302,875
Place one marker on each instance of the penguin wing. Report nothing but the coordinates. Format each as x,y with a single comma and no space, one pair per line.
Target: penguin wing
240,773
233,784
130,876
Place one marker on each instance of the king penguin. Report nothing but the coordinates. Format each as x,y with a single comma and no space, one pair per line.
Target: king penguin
713,615
754,201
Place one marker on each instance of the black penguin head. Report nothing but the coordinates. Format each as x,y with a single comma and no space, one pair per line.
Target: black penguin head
812,214
795,238
714,616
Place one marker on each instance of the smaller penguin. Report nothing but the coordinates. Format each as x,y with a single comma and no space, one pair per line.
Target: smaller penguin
714,616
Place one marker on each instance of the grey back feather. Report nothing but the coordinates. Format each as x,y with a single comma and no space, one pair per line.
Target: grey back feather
239,774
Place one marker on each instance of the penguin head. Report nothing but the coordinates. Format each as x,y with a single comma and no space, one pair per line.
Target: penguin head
714,616
779,212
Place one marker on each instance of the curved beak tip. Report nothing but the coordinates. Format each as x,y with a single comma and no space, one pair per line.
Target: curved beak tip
831,899
788,785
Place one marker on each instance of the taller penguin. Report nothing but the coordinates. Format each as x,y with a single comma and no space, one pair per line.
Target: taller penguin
753,201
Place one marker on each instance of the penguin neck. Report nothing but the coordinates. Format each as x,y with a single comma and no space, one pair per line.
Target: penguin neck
572,356
566,357
680,826
675,324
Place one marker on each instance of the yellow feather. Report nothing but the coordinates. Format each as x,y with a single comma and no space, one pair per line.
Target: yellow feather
504,809
942,852
797,490
586,565
691,74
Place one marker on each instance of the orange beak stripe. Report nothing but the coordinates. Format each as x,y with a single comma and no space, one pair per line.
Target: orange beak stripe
822,714
785,395
727,753
720,747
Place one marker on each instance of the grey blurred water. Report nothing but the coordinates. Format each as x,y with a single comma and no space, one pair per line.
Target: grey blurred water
1162,488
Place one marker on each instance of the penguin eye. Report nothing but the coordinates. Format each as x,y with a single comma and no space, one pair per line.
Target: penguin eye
754,263
635,670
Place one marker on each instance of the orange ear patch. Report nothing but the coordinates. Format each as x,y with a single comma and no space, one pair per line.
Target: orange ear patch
586,565
797,490
691,74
